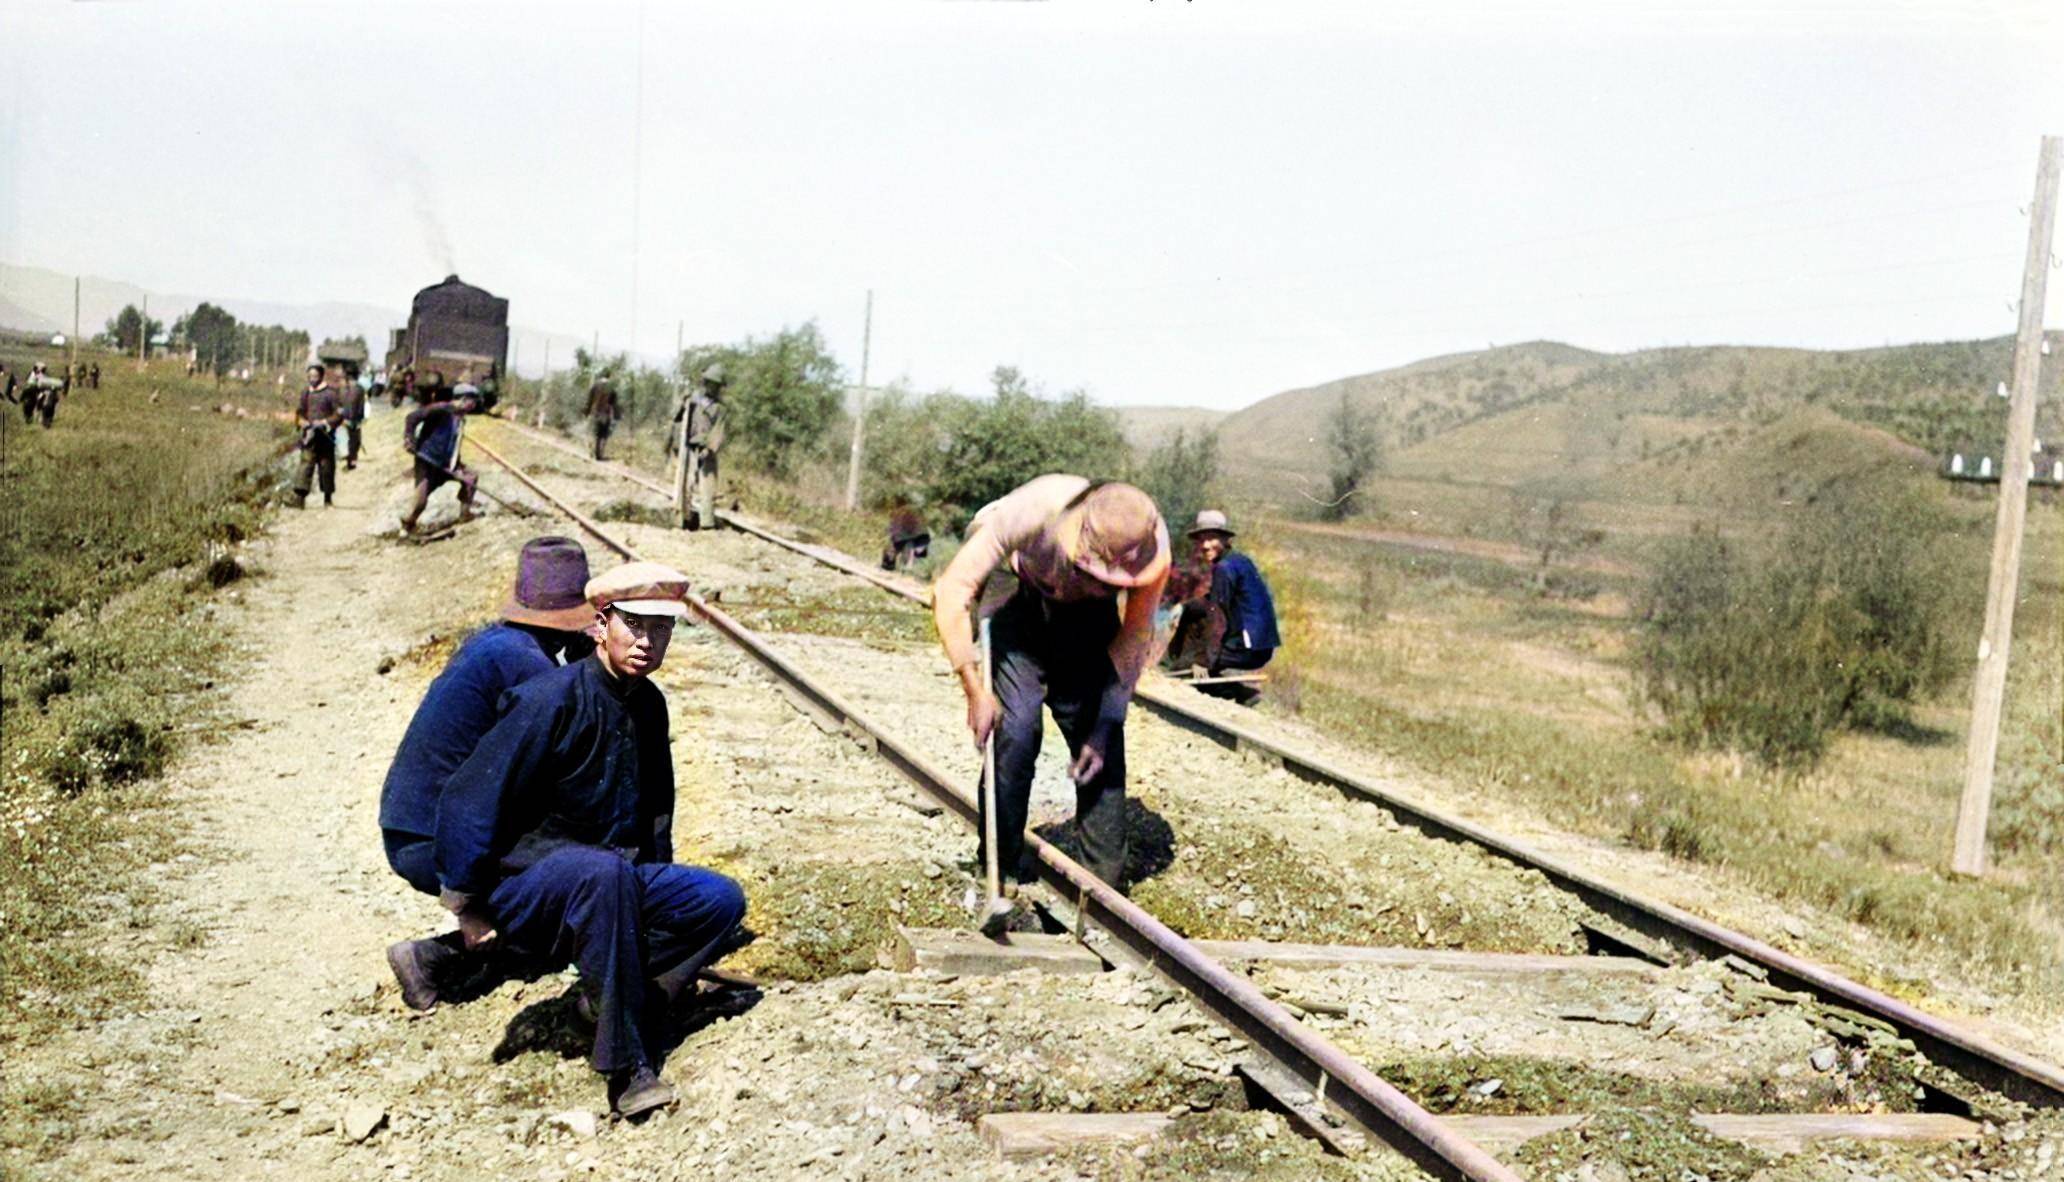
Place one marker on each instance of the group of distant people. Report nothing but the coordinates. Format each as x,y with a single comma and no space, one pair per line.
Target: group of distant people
330,416
39,391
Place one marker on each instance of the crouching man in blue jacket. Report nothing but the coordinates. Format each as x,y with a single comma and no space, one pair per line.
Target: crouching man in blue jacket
554,838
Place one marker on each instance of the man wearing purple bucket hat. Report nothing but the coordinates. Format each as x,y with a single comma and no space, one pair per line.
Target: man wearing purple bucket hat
543,625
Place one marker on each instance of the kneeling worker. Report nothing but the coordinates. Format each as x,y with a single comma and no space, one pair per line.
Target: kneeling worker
554,838
1062,639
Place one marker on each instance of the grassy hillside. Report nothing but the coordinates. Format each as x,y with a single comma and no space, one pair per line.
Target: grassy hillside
1548,417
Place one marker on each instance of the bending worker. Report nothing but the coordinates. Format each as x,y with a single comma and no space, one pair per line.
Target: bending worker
1076,547
555,837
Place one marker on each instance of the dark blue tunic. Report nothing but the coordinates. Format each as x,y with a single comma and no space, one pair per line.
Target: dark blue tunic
456,712
1250,611
577,758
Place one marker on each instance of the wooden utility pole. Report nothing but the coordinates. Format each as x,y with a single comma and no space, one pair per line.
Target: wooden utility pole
860,409
143,335
545,385
1990,690
73,365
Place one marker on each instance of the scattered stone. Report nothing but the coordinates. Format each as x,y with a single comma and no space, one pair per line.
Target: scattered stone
361,1120
289,1105
579,1121
1822,1059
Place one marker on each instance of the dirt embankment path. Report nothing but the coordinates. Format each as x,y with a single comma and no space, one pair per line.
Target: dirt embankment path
274,1045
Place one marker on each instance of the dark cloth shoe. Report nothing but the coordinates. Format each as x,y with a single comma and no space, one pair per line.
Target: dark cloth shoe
637,1091
418,964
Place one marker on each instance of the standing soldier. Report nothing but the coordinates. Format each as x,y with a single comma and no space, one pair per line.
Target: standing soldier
93,376
702,426
1063,639
602,410
317,415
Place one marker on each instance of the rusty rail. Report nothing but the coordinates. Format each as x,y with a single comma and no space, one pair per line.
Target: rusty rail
1377,1107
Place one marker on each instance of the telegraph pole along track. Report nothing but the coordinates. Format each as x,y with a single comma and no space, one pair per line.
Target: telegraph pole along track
1346,935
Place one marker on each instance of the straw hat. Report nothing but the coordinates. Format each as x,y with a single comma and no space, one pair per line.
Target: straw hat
642,589
551,577
1114,534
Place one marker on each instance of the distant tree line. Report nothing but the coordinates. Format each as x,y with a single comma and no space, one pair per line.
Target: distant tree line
943,454
215,339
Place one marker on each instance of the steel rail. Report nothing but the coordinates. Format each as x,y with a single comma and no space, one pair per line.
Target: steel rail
1968,1054
1336,1078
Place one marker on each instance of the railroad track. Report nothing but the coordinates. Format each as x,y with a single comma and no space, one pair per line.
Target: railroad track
1298,1052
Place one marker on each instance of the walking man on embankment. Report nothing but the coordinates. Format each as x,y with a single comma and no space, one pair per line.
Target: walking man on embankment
317,416
1063,639
555,837
544,624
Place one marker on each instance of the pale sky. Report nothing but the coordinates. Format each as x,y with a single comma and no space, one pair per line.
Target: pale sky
1199,202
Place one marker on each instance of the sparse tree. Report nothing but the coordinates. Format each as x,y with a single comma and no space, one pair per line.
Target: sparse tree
129,328
214,336
1354,437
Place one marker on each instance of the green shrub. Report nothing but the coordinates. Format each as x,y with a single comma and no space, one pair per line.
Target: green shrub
948,455
1842,619
1179,475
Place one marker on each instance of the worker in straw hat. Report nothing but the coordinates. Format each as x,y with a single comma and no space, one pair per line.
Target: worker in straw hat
554,838
1077,547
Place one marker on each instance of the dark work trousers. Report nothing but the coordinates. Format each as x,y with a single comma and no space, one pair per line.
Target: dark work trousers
601,427
1245,660
1059,654
353,428
622,924
414,857
702,479
318,462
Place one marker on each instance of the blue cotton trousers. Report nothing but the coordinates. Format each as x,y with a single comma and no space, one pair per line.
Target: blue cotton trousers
623,924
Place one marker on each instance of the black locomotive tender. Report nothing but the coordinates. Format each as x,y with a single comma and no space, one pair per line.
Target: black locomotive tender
454,326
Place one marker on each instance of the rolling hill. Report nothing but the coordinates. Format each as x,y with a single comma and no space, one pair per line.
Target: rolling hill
1550,419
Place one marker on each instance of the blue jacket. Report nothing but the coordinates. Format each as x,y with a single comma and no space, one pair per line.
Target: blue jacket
1250,611
578,758
458,710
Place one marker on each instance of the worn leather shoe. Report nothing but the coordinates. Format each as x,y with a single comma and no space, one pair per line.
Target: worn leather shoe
639,1091
415,964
